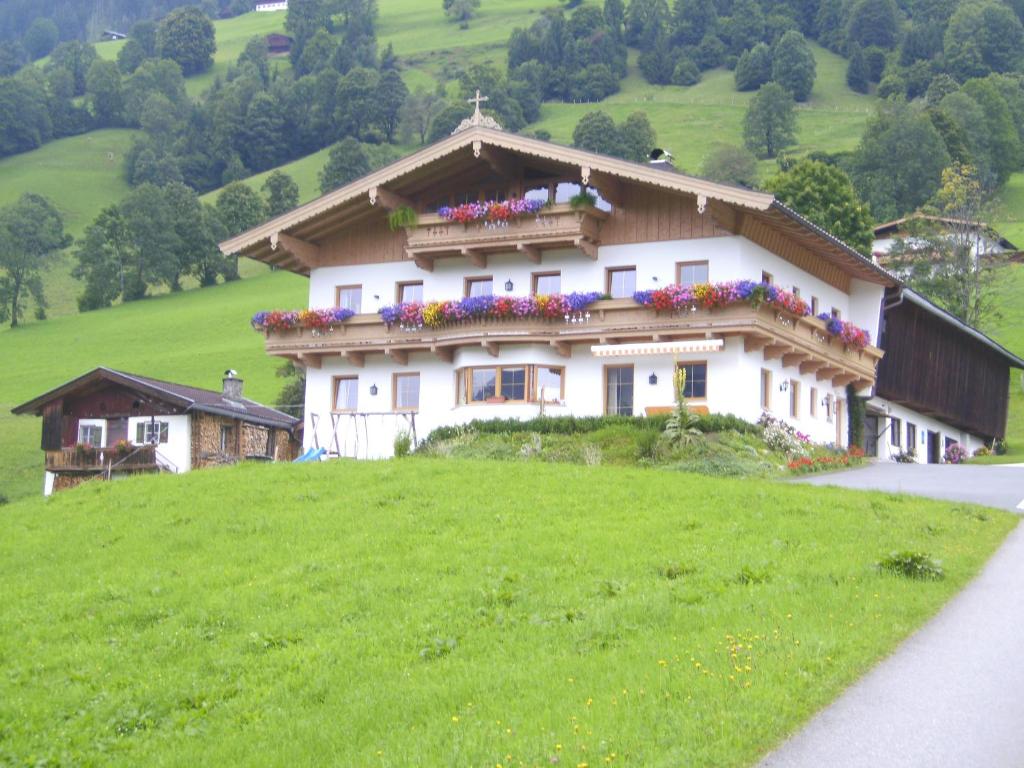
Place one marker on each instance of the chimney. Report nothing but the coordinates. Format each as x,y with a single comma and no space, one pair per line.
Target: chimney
661,158
232,385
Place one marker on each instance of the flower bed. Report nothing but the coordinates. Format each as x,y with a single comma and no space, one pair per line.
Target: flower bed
806,465
492,211
956,454
436,314
281,320
676,298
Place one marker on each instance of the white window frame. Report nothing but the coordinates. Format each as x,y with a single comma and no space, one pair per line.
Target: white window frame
92,423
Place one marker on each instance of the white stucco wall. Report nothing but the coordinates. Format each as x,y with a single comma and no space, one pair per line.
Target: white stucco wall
924,424
178,448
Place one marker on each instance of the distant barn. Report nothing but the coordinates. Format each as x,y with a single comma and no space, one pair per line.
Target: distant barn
113,34
278,44
268,7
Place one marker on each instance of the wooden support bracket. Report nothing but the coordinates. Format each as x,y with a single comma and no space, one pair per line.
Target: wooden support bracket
491,347
400,356
587,247
792,359
828,373
358,359
563,348
477,259
532,252
424,262
775,351
446,354
843,379
611,188
388,199
810,366
310,360
754,343
307,254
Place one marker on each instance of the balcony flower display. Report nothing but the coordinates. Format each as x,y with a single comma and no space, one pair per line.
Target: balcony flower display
846,332
319,319
491,211
437,314
716,295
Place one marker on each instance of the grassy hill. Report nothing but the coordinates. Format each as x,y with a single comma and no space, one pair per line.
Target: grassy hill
403,613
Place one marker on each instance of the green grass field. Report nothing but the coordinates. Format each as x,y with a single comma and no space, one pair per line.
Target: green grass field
191,337
404,613
1008,218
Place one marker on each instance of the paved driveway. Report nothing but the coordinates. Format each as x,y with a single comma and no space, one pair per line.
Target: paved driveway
953,693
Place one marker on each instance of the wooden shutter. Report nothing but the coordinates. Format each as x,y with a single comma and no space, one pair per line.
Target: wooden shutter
53,423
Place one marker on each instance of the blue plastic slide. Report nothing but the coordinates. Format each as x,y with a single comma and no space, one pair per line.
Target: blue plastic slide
313,454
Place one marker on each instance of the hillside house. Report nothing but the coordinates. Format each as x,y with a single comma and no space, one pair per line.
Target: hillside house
492,275
272,7
110,424
983,240
113,34
278,44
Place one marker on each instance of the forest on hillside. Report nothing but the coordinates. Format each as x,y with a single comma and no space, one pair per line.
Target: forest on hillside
948,74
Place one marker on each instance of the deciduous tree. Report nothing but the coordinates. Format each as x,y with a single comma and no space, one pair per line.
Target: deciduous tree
346,161
793,65
186,35
281,193
770,123
31,235
731,165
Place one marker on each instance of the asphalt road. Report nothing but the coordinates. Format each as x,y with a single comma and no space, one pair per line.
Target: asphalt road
953,693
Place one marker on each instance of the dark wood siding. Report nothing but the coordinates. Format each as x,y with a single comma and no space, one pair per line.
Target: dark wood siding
52,426
936,369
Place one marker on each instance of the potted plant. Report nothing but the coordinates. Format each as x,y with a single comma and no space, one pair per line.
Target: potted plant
122,448
85,453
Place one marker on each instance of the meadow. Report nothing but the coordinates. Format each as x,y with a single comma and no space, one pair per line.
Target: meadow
405,613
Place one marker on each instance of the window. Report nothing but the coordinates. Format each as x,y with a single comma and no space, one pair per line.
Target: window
513,383
813,410
828,408
796,291
349,297
547,283
895,432
794,398
409,292
538,193
691,272
766,277
346,393
621,283
911,438
484,382
91,434
479,286
696,386
565,191
814,305
549,384
619,390
150,432
766,389
406,391
227,438
836,314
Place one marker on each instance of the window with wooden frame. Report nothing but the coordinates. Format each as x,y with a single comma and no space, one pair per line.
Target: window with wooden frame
813,403
618,398
150,432
696,387
227,438
546,283
796,291
691,272
620,282
911,437
549,384
349,297
346,394
836,314
479,286
794,398
405,391
814,305
500,383
407,292
895,432
767,277
766,389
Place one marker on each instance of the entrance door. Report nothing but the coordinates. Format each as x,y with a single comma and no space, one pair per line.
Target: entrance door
870,435
117,429
934,450
839,423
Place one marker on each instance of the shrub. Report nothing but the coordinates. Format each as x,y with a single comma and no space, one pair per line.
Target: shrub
647,445
905,457
403,444
781,437
999,447
912,565
983,451
955,454
3,499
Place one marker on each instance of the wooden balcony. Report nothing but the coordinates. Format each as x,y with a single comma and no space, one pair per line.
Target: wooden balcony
801,343
74,459
558,226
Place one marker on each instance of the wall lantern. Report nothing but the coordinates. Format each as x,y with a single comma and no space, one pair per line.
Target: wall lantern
508,286
784,386
652,379
373,390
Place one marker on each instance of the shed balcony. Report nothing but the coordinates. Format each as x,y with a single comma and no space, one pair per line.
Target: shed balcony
801,343
75,459
557,226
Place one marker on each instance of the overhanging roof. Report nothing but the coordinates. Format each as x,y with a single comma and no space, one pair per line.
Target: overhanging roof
894,226
353,199
179,395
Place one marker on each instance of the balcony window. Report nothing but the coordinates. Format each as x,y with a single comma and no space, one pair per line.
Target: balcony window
547,283
621,282
696,387
691,272
406,388
538,193
767,277
566,191
410,292
346,394
550,384
91,434
483,384
349,297
618,390
513,383
150,432
479,286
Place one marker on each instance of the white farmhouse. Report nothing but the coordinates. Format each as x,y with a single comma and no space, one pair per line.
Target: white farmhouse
492,275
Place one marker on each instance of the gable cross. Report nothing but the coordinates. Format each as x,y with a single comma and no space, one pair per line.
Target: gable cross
476,100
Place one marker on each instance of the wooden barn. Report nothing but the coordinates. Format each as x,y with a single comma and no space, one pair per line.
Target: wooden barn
107,424
278,44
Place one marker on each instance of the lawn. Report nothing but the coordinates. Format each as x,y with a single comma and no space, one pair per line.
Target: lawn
190,337
405,613
1008,218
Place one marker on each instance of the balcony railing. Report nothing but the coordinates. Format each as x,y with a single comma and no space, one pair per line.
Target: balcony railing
75,458
799,342
557,226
